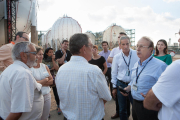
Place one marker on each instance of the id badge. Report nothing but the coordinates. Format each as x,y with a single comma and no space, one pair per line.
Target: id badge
127,73
135,87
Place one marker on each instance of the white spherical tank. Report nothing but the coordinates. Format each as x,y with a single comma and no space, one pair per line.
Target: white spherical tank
47,39
111,34
64,28
26,15
91,36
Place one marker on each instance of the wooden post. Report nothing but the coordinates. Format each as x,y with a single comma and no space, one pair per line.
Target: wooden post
34,35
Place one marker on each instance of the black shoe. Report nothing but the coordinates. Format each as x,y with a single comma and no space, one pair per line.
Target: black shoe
115,116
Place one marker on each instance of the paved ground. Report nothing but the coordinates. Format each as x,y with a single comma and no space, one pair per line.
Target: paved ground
109,110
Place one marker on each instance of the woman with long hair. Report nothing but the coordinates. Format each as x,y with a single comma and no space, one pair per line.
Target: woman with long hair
98,60
49,60
43,76
161,52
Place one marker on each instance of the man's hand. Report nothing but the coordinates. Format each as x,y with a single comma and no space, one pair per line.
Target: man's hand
143,95
64,52
128,89
114,92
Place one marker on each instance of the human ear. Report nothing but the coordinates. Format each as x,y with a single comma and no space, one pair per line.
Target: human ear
23,56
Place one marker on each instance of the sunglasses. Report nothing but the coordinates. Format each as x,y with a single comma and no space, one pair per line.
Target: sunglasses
25,38
34,53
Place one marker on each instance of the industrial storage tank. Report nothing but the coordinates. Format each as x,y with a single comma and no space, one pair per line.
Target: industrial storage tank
111,34
26,11
46,39
26,16
91,36
64,28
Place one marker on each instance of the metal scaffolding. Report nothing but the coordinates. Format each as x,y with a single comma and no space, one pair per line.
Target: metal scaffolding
131,34
11,19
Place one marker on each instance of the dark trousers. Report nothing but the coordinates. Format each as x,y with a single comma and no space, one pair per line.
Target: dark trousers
141,113
128,107
122,100
66,118
108,74
56,95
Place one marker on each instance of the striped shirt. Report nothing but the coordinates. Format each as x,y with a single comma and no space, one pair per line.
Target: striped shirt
82,88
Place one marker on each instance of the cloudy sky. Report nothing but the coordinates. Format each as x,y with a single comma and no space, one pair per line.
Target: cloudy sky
157,19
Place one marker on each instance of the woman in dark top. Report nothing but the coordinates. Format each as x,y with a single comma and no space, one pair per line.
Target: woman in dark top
49,60
98,60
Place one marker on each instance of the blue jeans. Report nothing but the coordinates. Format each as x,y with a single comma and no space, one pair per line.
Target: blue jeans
122,102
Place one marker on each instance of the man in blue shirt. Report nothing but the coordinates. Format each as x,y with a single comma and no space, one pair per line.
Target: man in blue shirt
144,75
105,53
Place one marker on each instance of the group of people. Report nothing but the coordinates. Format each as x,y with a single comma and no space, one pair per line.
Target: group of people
79,78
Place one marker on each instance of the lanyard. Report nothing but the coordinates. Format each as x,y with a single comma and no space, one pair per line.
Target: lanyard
137,76
129,60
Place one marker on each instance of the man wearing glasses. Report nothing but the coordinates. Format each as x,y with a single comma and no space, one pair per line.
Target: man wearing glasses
5,50
21,98
144,75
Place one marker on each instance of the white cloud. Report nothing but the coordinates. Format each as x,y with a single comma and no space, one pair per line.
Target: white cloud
144,20
168,1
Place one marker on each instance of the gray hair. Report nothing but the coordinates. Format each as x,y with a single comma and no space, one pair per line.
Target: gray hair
124,38
77,41
151,44
20,47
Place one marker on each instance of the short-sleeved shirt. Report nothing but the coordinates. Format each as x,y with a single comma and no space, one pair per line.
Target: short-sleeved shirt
166,58
99,62
19,92
167,90
5,56
114,52
106,55
59,54
50,65
82,90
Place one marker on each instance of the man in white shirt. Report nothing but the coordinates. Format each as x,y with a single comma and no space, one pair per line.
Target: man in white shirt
121,67
81,86
165,94
117,49
21,98
110,59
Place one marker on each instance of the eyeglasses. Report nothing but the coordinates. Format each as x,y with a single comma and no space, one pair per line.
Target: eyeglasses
25,38
34,53
137,46
91,46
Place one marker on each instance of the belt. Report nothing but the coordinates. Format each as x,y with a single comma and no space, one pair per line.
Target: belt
138,101
126,83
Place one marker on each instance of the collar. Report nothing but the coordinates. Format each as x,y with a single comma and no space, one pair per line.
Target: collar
21,64
118,48
130,52
106,52
12,42
144,62
78,58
